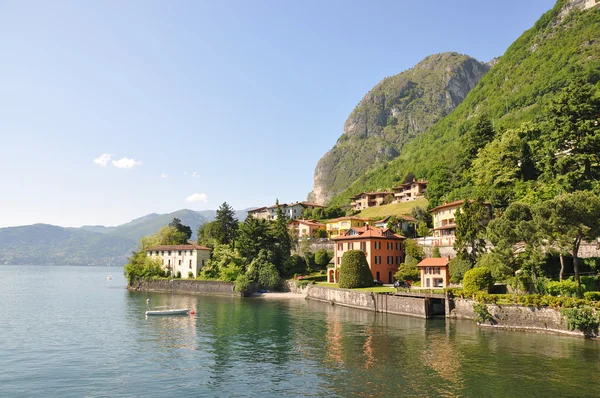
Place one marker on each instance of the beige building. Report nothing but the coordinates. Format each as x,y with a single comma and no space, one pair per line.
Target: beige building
305,228
444,222
410,191
365,200
182,258
434,272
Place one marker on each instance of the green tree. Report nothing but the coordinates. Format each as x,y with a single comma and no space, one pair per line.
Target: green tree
413,249
227,223
436,252
495,264
573,145
476,138
471,223
254,236
321,234
209,234
572,218
408,270
185,230
458,267
165,236
477,280
322,258
282,239
421,215
422,229
355,271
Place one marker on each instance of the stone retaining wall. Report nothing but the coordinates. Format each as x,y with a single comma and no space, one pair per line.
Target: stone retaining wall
515,317
186,286
400,305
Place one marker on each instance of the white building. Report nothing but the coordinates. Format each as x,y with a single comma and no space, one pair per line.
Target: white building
291,210
182,258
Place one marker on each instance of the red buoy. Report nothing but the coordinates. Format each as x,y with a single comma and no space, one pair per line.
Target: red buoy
192,312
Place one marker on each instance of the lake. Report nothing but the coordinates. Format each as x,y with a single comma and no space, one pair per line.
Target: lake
69,332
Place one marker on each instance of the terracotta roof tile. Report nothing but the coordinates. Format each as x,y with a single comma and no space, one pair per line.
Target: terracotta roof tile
434,262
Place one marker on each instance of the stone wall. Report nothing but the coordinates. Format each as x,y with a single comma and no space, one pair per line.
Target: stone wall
186,286
515,317
445,251
391,304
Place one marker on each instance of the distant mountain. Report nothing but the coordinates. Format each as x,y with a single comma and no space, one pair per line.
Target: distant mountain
91,244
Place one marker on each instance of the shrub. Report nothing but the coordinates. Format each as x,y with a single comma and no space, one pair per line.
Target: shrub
436,252
590,282
242,283
592,296
458,267
295,264
477,280
583,319
454,292
354,271
494,263
408,270
482,315
564,288
178,276
190,275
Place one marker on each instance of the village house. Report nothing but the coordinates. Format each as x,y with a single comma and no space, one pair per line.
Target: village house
444,222
291,211
305,228
410,191
435,272
365,200
383,249
407,225
338,226
182,258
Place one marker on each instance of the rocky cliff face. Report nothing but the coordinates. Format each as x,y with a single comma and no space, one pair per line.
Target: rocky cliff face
394,112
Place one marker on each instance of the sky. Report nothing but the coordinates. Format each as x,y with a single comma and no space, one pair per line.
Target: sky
111,110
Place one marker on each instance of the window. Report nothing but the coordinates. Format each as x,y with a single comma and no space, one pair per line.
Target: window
169,252
377,245
190,253
203,263
340,246
397,245
390,260
179,262
377,277
190,264
377,259
426,270
398,260
436,270
350,246
363,246
339,260
179,252
390,245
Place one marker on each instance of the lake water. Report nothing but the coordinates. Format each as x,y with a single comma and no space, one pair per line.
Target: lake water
68,332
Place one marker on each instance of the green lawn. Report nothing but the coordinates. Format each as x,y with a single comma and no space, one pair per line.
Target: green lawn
394,209
375,289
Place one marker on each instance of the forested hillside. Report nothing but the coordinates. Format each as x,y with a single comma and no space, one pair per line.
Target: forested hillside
486,130
395,111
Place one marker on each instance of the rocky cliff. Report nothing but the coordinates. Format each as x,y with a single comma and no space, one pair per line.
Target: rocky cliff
395,111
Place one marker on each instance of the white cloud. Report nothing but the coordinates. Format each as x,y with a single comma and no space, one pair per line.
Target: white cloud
164,175
103,159
126,163
193,174
197,197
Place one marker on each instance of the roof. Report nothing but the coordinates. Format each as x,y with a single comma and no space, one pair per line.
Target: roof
450,226
177,247
310,204
368,232
257,209
407,184
311,223
371,193
456,203
347,218
434,262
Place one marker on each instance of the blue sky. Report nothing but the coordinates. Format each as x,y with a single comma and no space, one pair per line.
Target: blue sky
202,102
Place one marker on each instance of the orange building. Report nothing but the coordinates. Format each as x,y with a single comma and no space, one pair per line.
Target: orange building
384,251
434,272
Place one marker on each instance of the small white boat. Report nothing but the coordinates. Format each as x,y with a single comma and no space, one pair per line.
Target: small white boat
168,312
